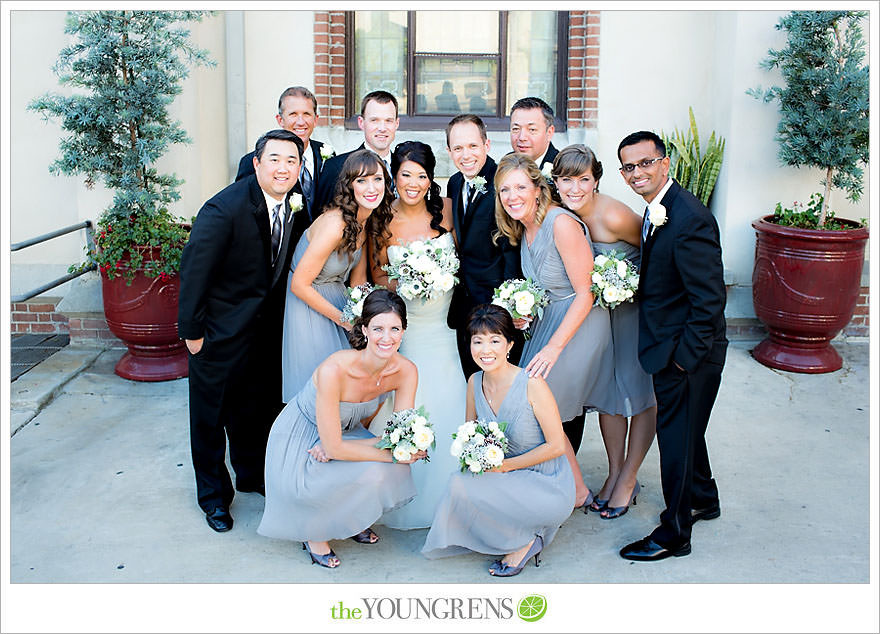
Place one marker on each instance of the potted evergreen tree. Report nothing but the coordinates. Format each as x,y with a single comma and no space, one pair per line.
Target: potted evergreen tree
808,264
126,67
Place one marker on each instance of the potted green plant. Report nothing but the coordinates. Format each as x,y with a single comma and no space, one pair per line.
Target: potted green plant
808,264
697,171
126,67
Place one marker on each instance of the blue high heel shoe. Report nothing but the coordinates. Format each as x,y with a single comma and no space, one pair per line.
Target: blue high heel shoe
587,502
597,506
501,569
321,560
613,512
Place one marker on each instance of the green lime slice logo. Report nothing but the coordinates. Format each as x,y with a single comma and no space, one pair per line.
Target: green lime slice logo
532,608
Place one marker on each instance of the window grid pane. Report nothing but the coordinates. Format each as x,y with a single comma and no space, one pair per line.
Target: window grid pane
380,54
532,54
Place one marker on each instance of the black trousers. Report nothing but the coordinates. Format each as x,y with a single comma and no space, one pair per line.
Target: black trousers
684,403
231,395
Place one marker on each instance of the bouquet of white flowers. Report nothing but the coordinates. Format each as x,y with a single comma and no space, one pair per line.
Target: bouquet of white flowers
521,298
479,445
615,280
424,269
407,432
354,305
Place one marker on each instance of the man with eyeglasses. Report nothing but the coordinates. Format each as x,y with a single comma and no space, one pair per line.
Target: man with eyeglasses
682,340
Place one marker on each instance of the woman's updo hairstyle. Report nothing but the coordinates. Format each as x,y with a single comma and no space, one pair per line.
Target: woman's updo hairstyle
378,302
491,319
421,154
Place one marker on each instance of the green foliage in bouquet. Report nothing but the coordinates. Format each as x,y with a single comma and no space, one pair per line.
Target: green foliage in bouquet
694,170
824,102
125,68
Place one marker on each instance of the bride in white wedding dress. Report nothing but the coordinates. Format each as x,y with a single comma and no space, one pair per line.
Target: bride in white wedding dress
420,213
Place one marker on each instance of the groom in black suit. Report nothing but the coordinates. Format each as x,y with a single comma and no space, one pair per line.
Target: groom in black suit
484,265
682,340
231,268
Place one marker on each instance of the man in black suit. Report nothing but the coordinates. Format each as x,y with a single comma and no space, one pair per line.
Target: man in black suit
484,265
531,128
298,113
379,120
682,340
230,268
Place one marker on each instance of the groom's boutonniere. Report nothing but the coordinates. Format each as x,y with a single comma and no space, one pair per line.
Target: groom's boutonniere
479,184
657,214
296,203
327,151
547,173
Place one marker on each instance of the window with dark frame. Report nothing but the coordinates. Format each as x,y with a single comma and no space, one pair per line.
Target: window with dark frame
442,63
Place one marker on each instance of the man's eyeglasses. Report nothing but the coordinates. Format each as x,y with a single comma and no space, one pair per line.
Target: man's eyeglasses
628,168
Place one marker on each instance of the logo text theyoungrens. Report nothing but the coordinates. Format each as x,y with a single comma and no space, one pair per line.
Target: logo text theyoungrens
439,608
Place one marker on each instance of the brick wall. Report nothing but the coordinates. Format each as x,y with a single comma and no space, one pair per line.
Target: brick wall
329,32
38,316
92,330
859,326
583,69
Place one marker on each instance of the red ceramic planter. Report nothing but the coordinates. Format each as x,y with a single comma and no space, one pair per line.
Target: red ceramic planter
805,286
144,317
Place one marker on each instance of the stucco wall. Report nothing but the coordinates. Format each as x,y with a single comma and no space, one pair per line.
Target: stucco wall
653,65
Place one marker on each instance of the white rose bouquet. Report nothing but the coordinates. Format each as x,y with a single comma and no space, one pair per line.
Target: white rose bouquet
523,299
354,304
407,432
479,445
614,280
423,269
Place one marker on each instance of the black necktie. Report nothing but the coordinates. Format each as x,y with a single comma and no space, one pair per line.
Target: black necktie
306,183
276,231
646,225
470,196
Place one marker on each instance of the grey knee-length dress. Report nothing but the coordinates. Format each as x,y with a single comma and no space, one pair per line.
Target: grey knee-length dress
583,376
499,513
309,337
635,389
319,501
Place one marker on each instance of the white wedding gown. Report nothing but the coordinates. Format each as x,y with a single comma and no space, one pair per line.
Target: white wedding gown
430,344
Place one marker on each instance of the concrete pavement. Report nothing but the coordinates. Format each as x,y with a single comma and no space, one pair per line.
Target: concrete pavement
102,490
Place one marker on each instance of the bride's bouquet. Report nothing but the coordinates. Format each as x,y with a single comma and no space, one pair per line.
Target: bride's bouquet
479,445
354,303
523,299
424,269
407,432
615,280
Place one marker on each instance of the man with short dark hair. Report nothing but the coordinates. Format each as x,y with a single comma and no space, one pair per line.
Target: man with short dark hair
298,113
531,128
232,266
484,265
379,120
682,339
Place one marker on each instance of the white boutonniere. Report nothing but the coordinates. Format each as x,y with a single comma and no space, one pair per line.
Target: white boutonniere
327,151
479,184
657,214
547,172
296,203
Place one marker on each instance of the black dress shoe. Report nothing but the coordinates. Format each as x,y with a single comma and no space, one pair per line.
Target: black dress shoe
219,519
708,513
648,550
260,488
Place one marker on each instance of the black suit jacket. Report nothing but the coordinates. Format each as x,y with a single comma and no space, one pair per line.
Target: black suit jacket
246,168
329,176
226,271
681,288
484,265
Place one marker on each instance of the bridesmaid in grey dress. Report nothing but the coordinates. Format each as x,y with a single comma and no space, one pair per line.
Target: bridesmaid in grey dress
328,254
570,344
516,509
614,227
325,478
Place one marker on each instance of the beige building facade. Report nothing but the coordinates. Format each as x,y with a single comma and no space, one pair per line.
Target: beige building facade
625,71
